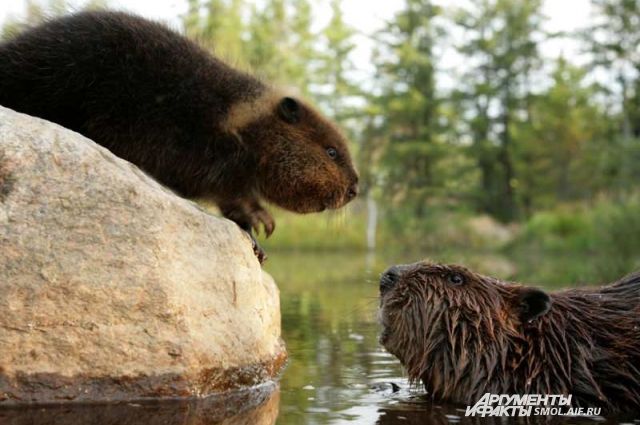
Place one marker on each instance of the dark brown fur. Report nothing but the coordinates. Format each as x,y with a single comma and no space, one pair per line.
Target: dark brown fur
463,340
157,99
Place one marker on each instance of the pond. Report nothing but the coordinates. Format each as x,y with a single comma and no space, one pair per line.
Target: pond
337,372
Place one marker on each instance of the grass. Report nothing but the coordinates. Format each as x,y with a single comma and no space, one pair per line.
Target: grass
569,245
330,231
581,244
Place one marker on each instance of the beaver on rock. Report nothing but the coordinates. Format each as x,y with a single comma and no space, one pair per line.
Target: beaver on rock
199,126
463,335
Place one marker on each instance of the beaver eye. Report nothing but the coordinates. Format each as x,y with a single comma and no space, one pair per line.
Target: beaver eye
332,152
455,279
289,110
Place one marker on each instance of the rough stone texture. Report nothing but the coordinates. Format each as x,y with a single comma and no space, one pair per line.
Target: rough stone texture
112,287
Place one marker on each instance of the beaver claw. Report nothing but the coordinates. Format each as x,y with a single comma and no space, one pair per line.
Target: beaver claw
250,215
258,251
258,216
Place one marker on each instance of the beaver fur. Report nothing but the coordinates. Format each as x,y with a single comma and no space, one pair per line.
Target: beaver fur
199,126
463,335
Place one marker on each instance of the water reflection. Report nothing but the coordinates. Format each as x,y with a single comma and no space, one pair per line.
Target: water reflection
256,407
337,371
418,410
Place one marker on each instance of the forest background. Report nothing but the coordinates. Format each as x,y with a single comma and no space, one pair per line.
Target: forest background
512,152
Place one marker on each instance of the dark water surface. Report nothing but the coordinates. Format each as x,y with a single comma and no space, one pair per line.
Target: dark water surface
337,373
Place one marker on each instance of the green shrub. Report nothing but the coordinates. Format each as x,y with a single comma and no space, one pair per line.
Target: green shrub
584,244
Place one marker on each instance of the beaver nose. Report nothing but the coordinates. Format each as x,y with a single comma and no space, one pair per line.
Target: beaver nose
392,275
389,278
352,192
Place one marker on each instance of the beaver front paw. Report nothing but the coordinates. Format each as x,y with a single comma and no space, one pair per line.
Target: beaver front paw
260,253
250,215
259,216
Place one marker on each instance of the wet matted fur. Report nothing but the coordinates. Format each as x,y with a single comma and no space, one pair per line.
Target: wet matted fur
463,335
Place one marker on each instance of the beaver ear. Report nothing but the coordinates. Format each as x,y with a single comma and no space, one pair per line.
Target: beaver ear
289,110
532,303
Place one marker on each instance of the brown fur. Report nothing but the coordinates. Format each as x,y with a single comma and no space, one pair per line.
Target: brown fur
201,127
485,335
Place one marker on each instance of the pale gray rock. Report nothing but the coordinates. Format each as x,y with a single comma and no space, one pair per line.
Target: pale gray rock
112,287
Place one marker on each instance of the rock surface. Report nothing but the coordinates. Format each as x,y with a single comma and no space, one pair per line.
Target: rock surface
114,288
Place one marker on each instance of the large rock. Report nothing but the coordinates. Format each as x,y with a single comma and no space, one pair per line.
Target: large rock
112,287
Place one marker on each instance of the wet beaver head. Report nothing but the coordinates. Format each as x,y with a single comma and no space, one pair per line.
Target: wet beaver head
303,163
450,327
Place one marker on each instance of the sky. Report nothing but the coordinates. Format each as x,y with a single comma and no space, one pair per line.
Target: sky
365,16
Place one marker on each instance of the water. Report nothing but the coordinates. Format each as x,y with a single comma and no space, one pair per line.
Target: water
337,372
329,323
329,304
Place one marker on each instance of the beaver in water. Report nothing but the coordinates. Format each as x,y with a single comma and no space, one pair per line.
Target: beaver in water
463,335
199,126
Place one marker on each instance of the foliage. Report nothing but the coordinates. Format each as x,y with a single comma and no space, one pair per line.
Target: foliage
273,38
502,48
36,11
408,105
581,244
508,132
557,154
613,39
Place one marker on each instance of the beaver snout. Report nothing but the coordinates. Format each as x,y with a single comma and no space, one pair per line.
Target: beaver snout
342,197
352,191
390,277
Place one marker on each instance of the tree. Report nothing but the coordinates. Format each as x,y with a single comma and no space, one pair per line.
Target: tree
501,53
336,91
301,46
36,11
406,70
553,155
218,25
613,39
279,42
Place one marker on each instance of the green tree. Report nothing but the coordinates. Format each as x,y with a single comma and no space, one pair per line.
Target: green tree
336,91
408,103
273,39
280,41
500,53
554,154
218,25
301,46
36,11
613,39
